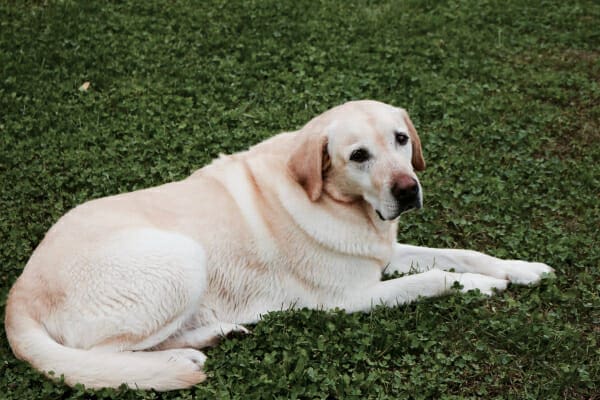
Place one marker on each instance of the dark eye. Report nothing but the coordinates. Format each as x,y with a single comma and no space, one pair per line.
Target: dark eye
401,138
360,155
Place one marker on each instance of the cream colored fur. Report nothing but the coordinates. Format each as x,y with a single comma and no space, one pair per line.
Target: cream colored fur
125,289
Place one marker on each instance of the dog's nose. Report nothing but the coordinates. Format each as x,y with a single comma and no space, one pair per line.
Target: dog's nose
405,189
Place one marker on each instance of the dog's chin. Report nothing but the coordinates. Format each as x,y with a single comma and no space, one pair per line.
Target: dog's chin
393,214
390,217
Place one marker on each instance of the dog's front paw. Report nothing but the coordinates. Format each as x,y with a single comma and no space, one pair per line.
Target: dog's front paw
524,272
485,284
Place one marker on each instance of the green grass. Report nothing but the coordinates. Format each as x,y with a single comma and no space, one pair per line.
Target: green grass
506,98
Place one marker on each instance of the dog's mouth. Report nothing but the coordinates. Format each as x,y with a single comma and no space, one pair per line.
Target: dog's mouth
401,210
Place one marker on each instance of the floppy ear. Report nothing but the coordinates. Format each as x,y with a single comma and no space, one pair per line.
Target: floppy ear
308,162
418,161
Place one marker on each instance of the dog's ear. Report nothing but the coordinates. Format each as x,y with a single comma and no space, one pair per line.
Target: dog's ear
418,161
308,163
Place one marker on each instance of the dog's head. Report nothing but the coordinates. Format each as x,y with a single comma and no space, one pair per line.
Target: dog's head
361,150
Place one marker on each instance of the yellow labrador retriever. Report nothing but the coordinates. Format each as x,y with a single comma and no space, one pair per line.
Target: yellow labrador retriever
124,289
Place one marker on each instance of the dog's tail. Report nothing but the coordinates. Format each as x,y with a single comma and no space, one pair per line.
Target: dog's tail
159,370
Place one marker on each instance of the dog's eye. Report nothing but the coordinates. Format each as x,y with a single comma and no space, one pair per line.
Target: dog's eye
360,155
401,138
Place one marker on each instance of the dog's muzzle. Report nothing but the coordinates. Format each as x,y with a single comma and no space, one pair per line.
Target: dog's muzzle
407,195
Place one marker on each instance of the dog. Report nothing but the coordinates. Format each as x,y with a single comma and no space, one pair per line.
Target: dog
127,288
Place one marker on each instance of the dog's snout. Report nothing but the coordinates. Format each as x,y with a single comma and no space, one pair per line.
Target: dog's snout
405,189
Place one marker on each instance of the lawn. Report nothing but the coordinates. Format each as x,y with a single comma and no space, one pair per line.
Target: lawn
505,96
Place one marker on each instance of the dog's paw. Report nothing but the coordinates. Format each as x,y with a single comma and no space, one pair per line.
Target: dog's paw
231,330
485,284
524,272
190,355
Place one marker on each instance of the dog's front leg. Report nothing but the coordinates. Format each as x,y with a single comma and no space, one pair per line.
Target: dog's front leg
407,289
408,258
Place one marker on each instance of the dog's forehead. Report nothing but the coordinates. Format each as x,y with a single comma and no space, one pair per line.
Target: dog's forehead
364,123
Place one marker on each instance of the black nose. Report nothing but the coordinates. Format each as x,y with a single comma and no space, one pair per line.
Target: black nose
406,191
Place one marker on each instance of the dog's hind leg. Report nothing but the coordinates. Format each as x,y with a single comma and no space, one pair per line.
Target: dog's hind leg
126,293
201,337
142,286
